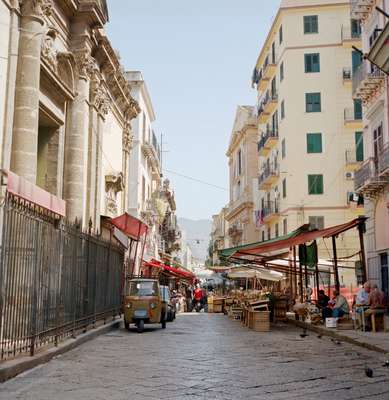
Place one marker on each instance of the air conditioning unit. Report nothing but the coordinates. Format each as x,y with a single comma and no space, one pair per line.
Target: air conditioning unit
349,176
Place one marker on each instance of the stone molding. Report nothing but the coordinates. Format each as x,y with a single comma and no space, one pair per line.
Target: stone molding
114,183
86,64
48,50
36,8
128,137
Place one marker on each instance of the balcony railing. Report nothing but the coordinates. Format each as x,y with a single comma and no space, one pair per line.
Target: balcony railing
366,80
351,115
350,34
270,135
351,157
268,175
271,209
383,161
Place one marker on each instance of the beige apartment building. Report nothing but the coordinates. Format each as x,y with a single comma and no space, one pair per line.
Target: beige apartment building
243,169
310,128
219,236
371,85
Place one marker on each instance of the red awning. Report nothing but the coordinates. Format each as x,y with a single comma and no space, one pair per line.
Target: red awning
178,272
131,226
301,238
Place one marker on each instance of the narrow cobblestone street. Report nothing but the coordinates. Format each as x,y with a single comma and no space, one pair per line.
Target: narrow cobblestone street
205,356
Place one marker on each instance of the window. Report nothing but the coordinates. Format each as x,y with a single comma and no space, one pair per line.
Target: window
312,102
273,53
282,71
284,188
144,128
314,143
263,236
283,148
356,60
311,24
275,123
268,233
282,109
285,226
316,222
312,62
239,162
357,109
280,35
359,146
276,231
315,184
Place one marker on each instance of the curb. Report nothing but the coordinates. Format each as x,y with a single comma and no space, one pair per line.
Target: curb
337,335
12,368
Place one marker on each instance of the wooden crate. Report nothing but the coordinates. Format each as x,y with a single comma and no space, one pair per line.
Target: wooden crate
210,308
261,321
217,308
251,319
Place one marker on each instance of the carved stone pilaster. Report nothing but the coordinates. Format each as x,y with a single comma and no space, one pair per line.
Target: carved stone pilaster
128,137
114,183
86,64
100,99
36,8
48,50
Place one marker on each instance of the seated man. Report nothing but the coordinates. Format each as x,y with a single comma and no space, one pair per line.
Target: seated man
376,302
322,303
362,300
341,307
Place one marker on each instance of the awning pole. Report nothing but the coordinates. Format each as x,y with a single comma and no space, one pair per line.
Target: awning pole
337,284
317,281
295,272
306,277
361,228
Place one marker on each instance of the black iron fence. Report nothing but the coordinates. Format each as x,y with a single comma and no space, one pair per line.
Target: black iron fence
55,279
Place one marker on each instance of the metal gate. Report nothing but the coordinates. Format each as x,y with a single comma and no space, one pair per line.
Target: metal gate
55,280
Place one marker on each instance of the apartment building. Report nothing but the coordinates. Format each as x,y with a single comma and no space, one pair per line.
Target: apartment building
310,127
243,166
370,84
145,166
219,236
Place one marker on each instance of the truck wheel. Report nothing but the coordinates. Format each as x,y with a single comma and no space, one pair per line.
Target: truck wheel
140,326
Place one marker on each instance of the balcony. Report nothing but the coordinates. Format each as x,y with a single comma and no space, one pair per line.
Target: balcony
263,117
350,37
367,81
268,140
262,81
367,179
352,119
352,162
270,212
243,202
383,163
379,51
268,176
235,230
270,103
269,67
347,77
361,9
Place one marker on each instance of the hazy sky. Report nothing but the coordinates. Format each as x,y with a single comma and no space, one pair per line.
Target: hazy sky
197,57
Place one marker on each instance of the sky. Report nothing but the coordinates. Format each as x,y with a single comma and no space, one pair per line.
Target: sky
197,57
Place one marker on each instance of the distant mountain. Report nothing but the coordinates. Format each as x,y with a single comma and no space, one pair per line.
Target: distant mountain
196,233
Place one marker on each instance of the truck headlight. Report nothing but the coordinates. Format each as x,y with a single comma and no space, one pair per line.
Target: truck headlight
128,305
152,306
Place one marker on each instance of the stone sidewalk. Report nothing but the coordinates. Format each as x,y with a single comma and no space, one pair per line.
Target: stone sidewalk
375,341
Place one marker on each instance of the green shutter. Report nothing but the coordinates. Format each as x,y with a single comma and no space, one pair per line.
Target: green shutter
359,146
357,109
312,62
314,143
312,102
311,24
315,184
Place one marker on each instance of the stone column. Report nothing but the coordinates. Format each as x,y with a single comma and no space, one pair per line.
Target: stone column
76,142
127,144
26,111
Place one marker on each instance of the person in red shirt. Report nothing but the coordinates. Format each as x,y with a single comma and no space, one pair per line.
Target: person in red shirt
198,294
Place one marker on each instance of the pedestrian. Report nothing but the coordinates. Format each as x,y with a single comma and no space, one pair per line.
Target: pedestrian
341,307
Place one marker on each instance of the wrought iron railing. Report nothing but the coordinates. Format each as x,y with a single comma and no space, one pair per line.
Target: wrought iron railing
55,279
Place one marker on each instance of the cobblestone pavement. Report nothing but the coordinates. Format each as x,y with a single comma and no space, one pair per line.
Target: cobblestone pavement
206,356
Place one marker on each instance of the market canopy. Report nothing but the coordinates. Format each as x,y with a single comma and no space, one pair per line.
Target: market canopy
300,236
259,272
131,226
176,272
